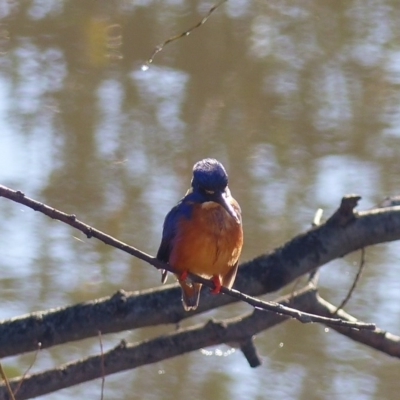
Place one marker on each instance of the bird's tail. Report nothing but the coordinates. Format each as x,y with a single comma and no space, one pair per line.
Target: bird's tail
190,295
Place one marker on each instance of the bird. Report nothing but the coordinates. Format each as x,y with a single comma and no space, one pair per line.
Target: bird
203,233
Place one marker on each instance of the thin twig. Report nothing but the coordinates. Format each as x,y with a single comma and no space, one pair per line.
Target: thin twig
355,282
159,48
71,220
4,376
291,312
39,346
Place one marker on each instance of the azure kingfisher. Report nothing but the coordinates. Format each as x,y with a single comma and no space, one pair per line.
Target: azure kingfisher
203,233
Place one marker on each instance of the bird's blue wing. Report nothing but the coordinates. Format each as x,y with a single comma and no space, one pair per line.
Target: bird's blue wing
181,210
168,235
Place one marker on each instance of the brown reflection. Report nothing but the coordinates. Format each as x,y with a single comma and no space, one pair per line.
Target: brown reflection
299,100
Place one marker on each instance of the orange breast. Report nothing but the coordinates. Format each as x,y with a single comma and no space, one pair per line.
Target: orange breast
209,243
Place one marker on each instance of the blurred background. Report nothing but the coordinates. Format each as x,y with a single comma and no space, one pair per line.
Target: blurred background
299,99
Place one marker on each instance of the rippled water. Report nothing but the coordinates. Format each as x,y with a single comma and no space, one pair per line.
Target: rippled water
299,100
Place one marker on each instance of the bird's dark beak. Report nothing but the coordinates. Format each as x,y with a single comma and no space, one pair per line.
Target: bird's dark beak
221,199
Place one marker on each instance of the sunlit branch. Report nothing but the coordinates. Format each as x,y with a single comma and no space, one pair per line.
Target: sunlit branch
71,220
234,331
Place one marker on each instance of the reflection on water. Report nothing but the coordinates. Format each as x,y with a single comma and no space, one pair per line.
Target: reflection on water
165,89
300,102
338,174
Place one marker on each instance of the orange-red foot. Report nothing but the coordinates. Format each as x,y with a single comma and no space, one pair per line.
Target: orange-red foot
183,276
217,284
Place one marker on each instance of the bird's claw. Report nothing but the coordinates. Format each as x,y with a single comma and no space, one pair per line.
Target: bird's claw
182,277
217,285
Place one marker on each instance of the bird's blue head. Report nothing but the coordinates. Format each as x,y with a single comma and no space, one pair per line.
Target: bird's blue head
210,182
209,175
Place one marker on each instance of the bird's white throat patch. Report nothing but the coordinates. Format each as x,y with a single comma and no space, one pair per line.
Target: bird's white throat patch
207,205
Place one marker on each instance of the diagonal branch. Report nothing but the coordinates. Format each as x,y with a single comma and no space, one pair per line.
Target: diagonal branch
378,339
355,281
161,46
70,219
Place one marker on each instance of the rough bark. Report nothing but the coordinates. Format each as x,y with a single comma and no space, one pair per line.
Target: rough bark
345,232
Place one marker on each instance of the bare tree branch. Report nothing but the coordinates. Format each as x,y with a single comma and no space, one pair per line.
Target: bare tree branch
236,330
343,232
